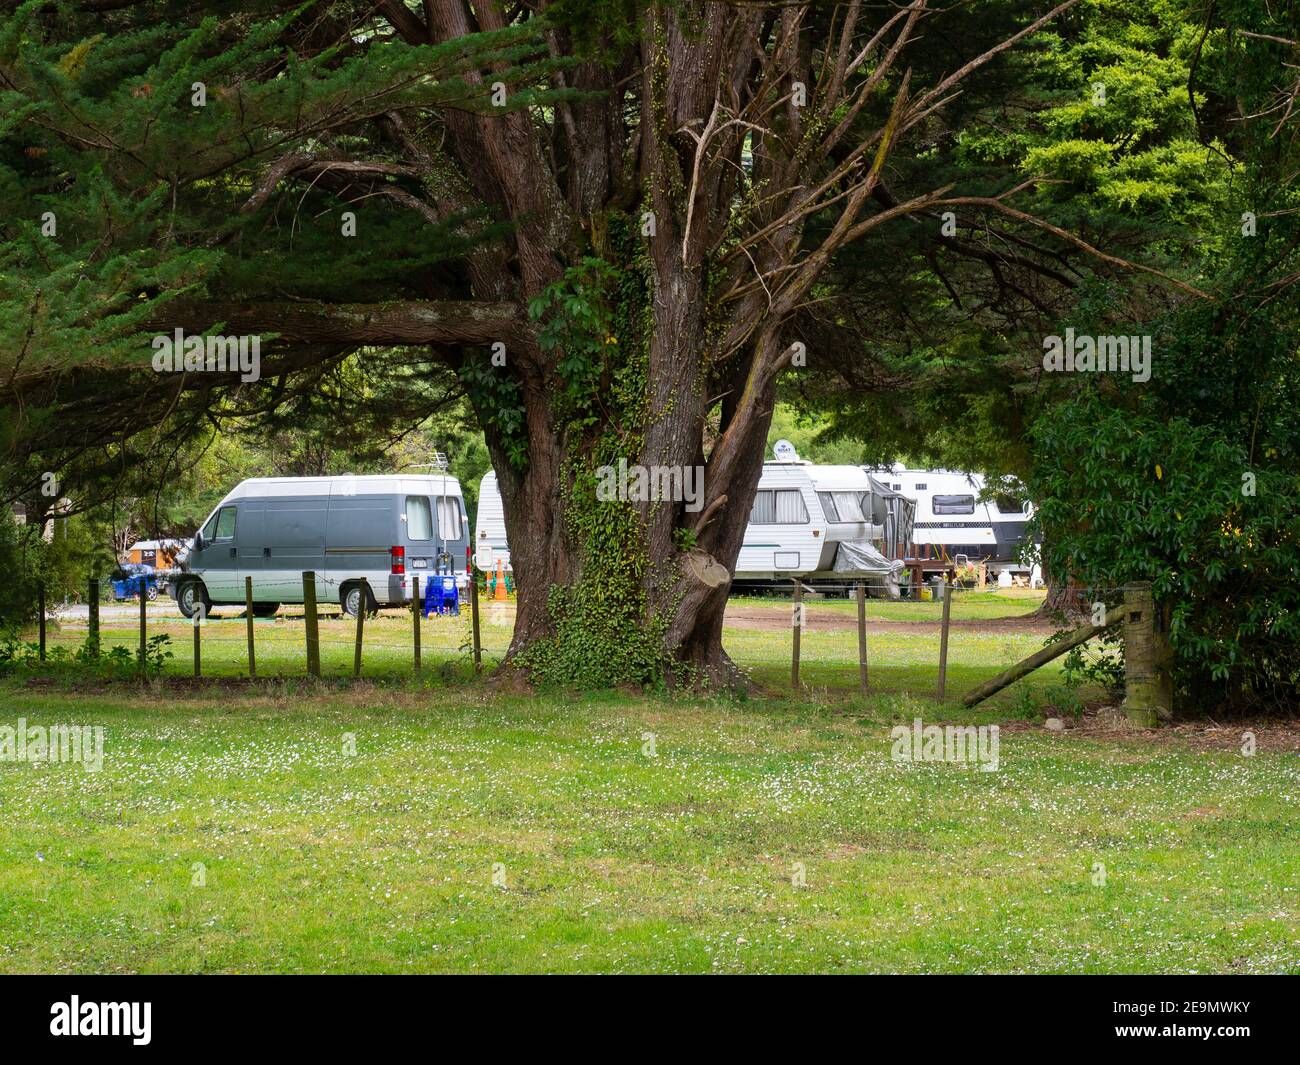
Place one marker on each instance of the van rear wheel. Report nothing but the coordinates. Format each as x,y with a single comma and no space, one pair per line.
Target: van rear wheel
350,597
265,610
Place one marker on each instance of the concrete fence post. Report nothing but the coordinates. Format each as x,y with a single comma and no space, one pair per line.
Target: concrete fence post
1148,659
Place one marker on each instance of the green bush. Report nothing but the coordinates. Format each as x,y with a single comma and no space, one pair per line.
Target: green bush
1125,497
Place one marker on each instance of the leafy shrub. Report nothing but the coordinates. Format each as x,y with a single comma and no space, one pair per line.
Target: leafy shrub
1126,497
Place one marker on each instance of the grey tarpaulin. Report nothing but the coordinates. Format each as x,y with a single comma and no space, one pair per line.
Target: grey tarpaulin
860,559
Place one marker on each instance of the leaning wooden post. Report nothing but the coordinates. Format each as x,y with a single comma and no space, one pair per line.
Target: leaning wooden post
473,618
309,615
248,614
1039,658
862,636
416,611
1148,660
943,637
363,598
40,606
92,627
144,608
796,618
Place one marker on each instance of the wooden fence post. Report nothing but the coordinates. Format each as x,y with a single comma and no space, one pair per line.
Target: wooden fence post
144,607
862,636
943,638
200,615
363,599
416,611
309,612
40,606
248,615
1148,658
92,625
473,613
796,620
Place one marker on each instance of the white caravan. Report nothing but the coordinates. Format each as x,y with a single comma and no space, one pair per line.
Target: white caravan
490,546
806,521
951,519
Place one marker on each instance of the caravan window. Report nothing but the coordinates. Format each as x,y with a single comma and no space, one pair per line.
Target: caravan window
449,518
1009,505
842,506
954,504
782,506
419,518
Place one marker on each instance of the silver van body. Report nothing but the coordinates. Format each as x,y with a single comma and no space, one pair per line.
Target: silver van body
273,529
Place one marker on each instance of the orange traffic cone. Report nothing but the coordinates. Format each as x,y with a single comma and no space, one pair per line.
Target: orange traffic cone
500,592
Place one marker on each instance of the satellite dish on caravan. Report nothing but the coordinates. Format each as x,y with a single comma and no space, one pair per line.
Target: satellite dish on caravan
784,451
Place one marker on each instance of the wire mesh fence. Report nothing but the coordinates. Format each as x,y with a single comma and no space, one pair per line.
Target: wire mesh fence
265,637
791,635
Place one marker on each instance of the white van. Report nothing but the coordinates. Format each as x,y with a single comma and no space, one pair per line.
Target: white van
383,528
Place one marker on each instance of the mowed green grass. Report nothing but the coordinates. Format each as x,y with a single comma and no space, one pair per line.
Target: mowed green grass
625,834
436,826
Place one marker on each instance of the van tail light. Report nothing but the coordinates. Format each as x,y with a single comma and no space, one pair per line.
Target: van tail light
469,558
398,555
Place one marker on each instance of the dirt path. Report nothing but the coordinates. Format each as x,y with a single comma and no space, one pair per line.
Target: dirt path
777,618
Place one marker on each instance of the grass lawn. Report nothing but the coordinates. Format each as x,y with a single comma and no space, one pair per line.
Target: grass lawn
609,859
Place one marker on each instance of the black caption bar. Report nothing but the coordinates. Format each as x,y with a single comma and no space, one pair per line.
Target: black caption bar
159,1014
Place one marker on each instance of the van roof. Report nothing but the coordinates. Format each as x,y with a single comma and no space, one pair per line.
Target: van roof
437,483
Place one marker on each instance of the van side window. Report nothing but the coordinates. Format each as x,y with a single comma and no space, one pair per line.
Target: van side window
225,523
782,506
449,518
954,504
419,518
210,529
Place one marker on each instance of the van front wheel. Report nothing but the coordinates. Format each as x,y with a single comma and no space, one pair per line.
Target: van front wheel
190,596
350,597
